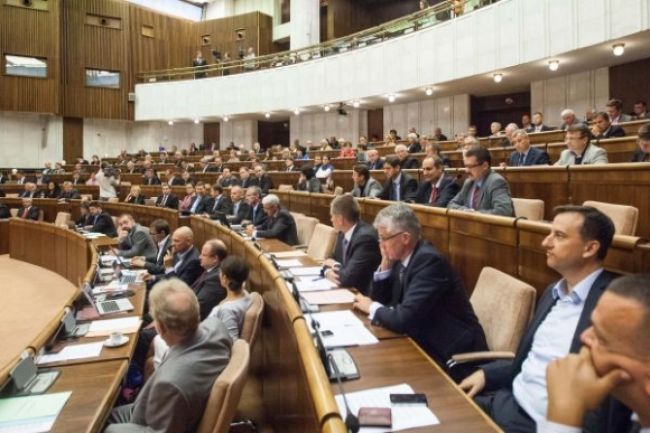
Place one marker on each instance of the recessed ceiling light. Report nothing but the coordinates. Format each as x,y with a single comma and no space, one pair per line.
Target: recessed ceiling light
391,98
267,115
170,123
429,91
553,65
226,118
618,49
296,111
197,121
355,103
498,77
326,108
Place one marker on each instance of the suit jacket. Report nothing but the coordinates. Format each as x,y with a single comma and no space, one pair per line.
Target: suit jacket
494,196
35,194
103,223
376,166
151,181
231,181
544,128
72,194
624,118
266,183
415,147
409,163
220,206
202,206
612,132
534,156
135,200
372,188
592,155
408,189
138,242
312,185
241,214
251,181
430,306
361,258
639,156
171,203
156,265
208,291
173,399
282,227
448,190
4,211
501,374
256,216
189,269
176,181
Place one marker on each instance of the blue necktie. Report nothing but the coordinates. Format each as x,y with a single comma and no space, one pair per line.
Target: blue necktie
396,193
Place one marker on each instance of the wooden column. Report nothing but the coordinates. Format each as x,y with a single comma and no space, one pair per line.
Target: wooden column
73,139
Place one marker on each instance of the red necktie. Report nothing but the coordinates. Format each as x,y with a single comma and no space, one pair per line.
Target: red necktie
25,212
434,194
475,197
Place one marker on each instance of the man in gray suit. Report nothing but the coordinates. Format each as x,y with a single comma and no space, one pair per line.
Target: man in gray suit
364,185
484,191
174,397
579,150
135,240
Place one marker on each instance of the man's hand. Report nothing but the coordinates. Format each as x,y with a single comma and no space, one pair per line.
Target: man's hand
574,387
386,263
333,276
474,383
168,260
330,263
137,262
147,277
362,303
249,230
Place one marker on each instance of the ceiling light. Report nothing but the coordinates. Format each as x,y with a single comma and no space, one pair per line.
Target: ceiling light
497,77
326,108
197,121
391,98
170,123
296,111
226,118
355,103
429,91
267,115
618,49
553,65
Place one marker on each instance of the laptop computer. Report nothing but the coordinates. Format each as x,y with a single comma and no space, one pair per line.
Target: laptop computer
109,306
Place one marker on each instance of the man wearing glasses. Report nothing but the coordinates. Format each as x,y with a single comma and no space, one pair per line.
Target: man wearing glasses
580,151
484,190
642,154
416,292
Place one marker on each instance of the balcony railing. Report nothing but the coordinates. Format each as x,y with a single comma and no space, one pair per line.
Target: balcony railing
422,19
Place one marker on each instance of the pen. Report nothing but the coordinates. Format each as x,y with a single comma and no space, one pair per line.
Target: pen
317,278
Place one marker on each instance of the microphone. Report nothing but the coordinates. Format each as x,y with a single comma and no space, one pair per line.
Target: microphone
351,420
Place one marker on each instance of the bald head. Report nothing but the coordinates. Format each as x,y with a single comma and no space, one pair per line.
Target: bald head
182,240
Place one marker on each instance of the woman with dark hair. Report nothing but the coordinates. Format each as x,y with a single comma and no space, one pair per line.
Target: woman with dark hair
231,311
53,190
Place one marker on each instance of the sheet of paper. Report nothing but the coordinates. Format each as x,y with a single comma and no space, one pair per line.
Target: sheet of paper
309,284
346,329
405,416
336,296
289,263
31,414
77,351
306,271
126,325
289,254
113,286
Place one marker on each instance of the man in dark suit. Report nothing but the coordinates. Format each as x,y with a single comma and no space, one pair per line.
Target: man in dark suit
265,181
240,208
524,154
256,214
414,145
27,210
398,186
200,202
102,221
68,192
416,292
207,286
438,135
356,254
167,198
175,396
374,161
364,185
135,239
245,178
606,128
515,390
406,162
30,191
226,180
219,205
160,233
150,178
484,190
279,223
438,188
642,154
613,361
289,165
185,264
538,124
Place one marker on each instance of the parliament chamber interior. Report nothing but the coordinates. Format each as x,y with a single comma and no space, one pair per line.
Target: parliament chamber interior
328,216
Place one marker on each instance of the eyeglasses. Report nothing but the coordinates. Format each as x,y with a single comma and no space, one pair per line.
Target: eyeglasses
427,168
470,166
387,238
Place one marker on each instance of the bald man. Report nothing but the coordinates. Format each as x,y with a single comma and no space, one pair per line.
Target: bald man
184,259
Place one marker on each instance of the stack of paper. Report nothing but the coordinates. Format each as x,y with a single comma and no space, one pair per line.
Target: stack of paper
289,263
405,416
308,284
289,254
306,271
31,414
68,353
103,328
336,296
345,329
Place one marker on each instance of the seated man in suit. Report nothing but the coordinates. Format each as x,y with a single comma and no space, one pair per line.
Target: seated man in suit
265,181
240,207
68,192
524,154
167,198
256,214
615,111
226,179
27,210
289,165
207,286
30,191
405,160
245,178
642,154
613,361
150,178
279,223
374,162
307,181
515,390
416,292
414,145
356,254
175,396
200,202
640,111
569,119
190,195
484,190
220,205
398,186
606,129
134,240
438,188
538,124
184,259
580,150
160,233
101,221
364,185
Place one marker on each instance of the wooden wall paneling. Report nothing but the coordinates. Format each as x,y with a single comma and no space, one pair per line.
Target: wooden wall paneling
61,248
320,207
4,236
629,83
17,232
435,226
73,138
30,32
550,184
211,133
376,124
301,202
264,34
479,240
642,259
91,46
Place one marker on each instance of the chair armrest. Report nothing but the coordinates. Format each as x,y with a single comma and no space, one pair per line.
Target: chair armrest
463,358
